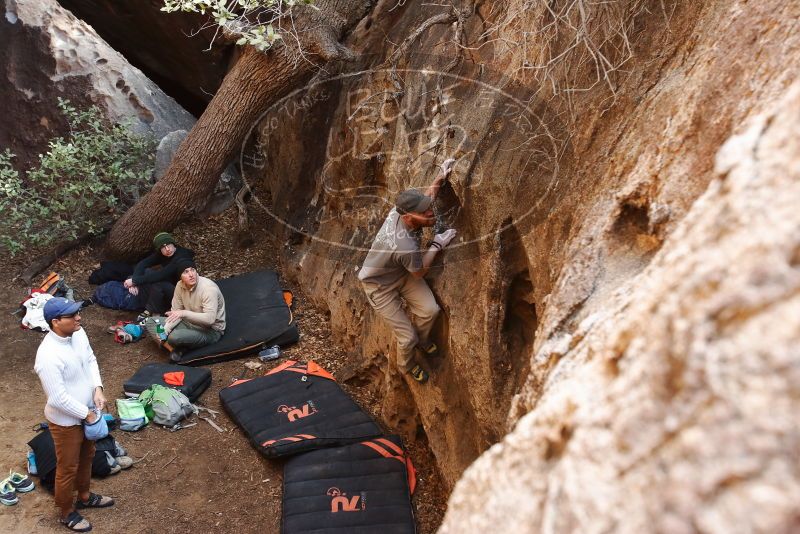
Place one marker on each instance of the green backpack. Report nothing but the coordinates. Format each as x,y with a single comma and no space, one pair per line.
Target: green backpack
132,415
169,405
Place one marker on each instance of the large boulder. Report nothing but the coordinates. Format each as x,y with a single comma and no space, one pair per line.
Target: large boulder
675,407
569,212
173,49
47,53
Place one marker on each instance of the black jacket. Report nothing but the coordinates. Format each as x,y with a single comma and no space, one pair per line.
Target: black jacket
144,273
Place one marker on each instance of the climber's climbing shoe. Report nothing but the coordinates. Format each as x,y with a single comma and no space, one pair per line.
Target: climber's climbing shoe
419,374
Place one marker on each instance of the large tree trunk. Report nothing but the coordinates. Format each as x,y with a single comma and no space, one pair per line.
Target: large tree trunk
256,81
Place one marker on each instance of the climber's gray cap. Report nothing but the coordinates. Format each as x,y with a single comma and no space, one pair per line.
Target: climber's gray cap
412,201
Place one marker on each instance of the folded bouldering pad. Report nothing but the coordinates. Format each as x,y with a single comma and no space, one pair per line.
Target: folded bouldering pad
191,381
360,488
296,407
256,314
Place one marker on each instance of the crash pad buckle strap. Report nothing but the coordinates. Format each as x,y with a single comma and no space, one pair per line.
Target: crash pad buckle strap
412,475
239,381
293,439
401,457
282,367
391,445
308,368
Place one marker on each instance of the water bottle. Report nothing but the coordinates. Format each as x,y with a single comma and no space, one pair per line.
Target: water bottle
32,463
160,330
272,353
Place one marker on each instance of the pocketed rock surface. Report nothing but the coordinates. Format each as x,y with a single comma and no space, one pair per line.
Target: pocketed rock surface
195,479
47,53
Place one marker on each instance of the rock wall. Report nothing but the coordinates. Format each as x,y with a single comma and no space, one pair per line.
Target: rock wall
571,199
47,53
674,408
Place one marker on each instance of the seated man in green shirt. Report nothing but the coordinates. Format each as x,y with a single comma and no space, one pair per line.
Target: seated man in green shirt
197,317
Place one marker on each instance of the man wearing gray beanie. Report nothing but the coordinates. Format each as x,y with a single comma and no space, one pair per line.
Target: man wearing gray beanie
394,268
197,317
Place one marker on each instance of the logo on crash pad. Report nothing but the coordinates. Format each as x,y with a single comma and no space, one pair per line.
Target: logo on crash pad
340,502
293,413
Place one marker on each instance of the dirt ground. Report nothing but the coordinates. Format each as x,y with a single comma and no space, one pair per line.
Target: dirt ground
194,480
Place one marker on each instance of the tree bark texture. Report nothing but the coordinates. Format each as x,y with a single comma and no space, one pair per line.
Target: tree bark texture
255,82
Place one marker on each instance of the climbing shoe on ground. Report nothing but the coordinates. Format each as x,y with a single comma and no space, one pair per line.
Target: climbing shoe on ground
76,523
419,374
7,494
94,501
124,461
21,483
429,350
142,317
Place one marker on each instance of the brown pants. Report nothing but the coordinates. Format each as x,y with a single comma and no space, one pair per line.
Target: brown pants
422,305
74,455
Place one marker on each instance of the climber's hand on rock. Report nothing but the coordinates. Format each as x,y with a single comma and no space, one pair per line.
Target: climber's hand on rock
445,237
447,166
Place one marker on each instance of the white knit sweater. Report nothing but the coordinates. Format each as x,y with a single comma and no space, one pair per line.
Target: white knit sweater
68,370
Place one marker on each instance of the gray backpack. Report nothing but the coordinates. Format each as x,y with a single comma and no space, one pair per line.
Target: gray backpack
169,405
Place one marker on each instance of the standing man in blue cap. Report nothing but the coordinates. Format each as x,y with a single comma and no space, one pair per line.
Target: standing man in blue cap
68,370
394,269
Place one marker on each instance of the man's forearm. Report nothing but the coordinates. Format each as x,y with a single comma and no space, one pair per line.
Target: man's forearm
427,261
429,256
433,189
204,318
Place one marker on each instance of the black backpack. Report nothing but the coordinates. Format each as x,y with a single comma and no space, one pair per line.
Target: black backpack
45,451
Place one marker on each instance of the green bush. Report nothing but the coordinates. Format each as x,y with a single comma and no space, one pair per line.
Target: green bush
84,182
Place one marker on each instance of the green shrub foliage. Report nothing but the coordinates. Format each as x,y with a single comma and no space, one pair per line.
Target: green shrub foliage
259,23
83,183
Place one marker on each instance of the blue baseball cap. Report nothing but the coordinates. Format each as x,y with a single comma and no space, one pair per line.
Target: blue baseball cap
58,307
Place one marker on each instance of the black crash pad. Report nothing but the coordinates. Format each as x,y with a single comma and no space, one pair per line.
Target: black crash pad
360,488
255,314
296,407
196,379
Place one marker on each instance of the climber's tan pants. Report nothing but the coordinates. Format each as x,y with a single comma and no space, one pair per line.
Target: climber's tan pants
422,305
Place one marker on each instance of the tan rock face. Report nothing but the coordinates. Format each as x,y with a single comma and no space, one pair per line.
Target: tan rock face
616,301
676,410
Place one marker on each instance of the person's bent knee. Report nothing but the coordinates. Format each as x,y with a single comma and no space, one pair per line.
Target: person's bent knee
430,312
407,344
